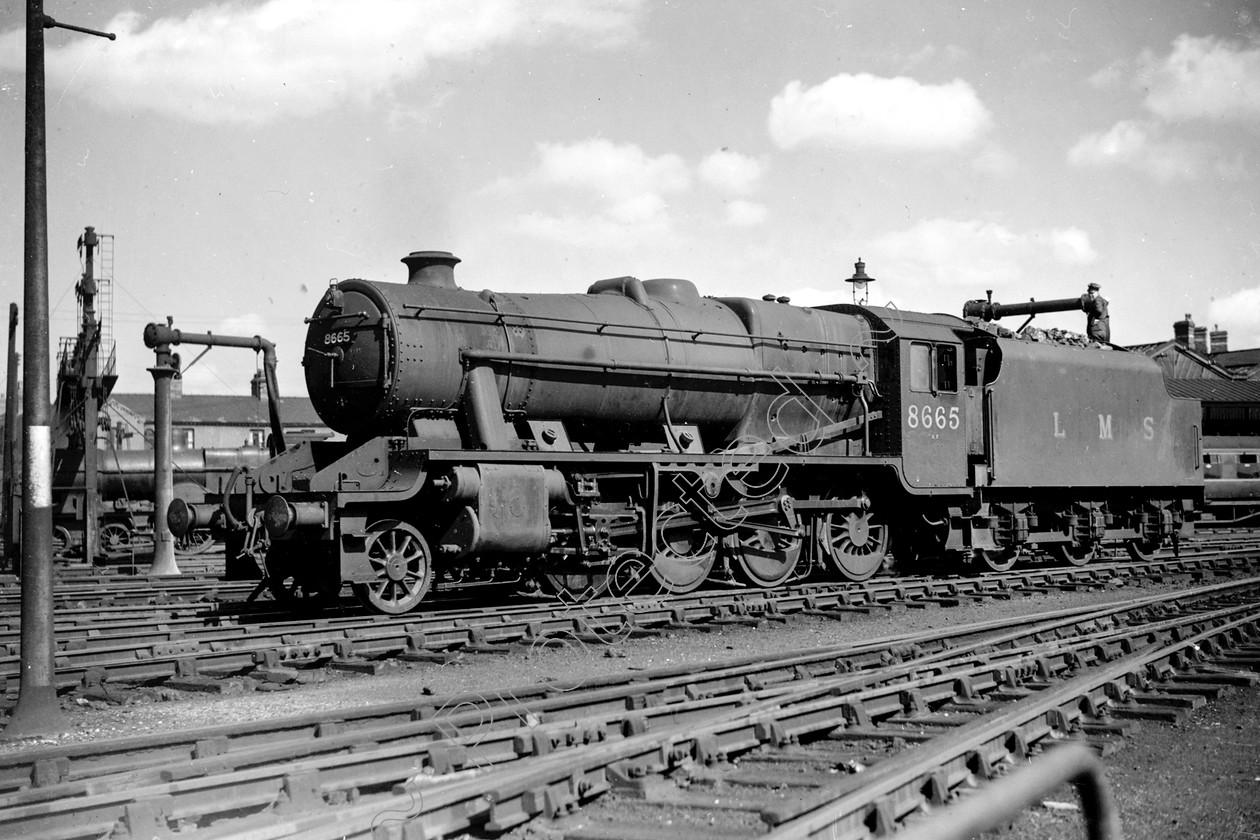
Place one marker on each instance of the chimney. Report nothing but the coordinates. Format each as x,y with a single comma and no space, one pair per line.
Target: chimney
1201,340
1183,330
431,268
1220,340
258,386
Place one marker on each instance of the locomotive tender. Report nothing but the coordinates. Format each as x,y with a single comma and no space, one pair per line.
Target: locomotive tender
642,432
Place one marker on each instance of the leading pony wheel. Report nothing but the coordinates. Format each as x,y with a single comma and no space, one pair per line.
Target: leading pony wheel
403,565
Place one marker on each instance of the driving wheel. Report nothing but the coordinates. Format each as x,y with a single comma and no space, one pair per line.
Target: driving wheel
575,586
684,551
761,557
854,542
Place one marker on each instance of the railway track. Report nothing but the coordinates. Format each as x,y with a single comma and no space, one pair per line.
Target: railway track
208,647
842,742
84,585
105,591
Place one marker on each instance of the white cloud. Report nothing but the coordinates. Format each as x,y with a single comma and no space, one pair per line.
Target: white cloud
976,254
868,112
253,63
1142,145
591,231
616,195
994,160
742,213
1071,246
621,191
1204,78
618,170
730,172
1239,313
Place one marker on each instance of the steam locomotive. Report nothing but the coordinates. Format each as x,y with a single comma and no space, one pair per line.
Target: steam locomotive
643,434
125,485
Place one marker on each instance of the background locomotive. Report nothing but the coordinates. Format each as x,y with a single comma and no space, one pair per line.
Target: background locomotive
641,431
125,485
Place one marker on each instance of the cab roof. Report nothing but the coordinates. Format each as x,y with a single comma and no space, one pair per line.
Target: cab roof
913,325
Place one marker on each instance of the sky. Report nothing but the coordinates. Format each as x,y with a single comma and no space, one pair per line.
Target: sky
244,155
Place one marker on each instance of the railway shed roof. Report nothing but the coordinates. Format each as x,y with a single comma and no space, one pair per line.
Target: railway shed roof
1240,362
1183,363
1216,390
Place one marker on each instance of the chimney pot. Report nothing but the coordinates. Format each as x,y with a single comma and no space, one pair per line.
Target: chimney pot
1183,331
1220,340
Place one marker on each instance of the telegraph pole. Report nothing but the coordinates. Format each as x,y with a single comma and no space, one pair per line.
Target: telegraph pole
10,447
37,712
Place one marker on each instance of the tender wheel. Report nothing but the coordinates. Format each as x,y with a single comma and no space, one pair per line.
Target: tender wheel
684,551
855,543
115,538
197,541
1075,555
403,564
1142,550
298,576
997,559
763,558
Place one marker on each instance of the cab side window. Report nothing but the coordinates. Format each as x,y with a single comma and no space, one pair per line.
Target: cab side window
946,367
920,367
933,367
